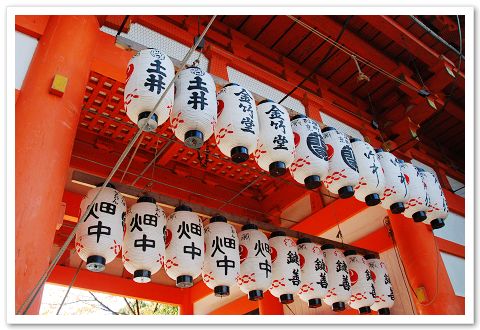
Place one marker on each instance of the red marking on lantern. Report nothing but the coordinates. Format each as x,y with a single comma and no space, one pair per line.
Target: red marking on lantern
243,253
245,279
208,277
407,178
171,263
302,260
330,151
168,237
115,247
124,258
273,253
296,138
220,106
374,277
130,69
353,276
334,177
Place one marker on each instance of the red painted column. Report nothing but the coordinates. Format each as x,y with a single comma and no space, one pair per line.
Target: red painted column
416,244
270,305
45,131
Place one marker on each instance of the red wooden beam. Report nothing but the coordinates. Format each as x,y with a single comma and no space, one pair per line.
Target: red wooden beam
378,241
239,306
200,291
450,247
32,25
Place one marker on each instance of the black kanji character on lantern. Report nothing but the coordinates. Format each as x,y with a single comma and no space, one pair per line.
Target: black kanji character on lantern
276,118
144,243
261,248
368,275
292,257
266,267
150,220
164,233
197,84
341,266
245,102
404,182
105,207
345,283
217,245
248,125
225,263
391,294
185,229
196,99
92,212
98,230
320,265
244,96
155,80
280,142
373,293
136,222
295,279
323,280
229,243
193,250
387,279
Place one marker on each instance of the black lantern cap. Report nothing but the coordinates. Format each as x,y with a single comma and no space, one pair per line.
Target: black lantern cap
96,263
346,192
312,182
109,185
239,154
183,207
338,306
277,169
327,246
142,276
184,281
255,295
286,298
397,208
384,311
231,84
354,140
194,139
146,199
419,216
437,223
364,310
370,256
377,150
314,303
349,253
304,240
298,116
372,199
249,226
264,101
221,291
328,128
218,218
277,233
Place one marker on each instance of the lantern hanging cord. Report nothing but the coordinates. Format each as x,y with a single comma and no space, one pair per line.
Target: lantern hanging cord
131,157
70,286
35,291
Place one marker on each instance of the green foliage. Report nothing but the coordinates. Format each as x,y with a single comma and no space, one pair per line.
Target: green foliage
147,308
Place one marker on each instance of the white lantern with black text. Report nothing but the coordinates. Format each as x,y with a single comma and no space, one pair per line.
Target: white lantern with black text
314,273
338,293
437,204
363,288
194,111
310,164
99,237
275,145
149,73
286,276
237,129
222,260
184,246
255,262
372,180
416,207
395,194
143,247
383,286
342,170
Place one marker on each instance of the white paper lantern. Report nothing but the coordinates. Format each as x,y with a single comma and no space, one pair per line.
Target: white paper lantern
143,249
237,129
314,273
363,289
416,207
286,276
338,293
222,260
310,164
383,286
395,194
342,170
194,111
184,246
437,204
99,237
149,73
372,180
275,145
255,262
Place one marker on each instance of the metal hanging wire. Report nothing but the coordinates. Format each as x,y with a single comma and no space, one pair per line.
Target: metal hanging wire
70,286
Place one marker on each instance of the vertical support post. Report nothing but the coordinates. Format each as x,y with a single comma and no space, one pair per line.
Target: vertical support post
270,305
45,128
217,62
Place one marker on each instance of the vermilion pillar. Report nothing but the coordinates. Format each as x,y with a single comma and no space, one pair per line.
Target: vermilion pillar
416,244
270,305
45,127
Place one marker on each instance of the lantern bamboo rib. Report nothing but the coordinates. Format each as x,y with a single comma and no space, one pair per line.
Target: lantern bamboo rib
28,302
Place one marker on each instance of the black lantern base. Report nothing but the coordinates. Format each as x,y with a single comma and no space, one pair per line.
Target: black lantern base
346,192
142,276
364,310
372,199
184,281
338,306
255,295
239,154
286,298
384,311
152,124
437,223
419,216
96,263
397,208
314,303
312,181
221,291
194,139
277,168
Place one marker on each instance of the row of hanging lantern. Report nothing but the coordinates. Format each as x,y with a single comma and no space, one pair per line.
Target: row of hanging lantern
180,243
347,167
